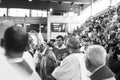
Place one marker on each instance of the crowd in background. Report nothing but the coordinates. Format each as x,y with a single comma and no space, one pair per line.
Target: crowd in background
104,30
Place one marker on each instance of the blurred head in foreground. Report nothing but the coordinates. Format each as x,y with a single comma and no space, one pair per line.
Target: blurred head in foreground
15,40
3,26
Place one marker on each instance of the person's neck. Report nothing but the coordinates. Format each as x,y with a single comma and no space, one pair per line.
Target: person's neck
60,45
12,54
75,51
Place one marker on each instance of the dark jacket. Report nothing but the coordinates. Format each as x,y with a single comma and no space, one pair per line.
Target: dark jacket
102,73
60,52
114,65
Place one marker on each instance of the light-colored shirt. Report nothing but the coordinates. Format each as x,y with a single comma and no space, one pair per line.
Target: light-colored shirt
71,69
28,57
7,72
20,70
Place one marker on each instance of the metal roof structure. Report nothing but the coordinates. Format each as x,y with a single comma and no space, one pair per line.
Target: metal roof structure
56,5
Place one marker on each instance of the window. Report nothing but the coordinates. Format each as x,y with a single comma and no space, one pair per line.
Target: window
39,13
3,11
34,27
58,27
17,12
44,13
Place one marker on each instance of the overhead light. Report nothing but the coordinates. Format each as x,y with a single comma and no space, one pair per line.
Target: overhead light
51,9
66,2
30,0
42,26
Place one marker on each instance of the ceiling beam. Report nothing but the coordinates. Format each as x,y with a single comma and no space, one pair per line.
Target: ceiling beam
60,5
69,1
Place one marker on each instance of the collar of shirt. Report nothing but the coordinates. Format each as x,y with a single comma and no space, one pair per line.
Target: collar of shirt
98,68
62,47
15,60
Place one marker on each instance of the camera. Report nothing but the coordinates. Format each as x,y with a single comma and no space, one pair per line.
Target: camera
113,43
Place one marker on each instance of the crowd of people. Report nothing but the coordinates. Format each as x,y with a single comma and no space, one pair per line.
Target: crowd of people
104,30
25,56
91,52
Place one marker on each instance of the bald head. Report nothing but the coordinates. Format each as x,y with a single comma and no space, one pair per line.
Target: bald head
73,42
96,54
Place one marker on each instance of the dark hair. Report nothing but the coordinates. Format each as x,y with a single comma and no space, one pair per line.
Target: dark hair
59,36
16,39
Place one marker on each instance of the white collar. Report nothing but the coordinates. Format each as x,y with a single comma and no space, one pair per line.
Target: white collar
15,60
98,68
62,47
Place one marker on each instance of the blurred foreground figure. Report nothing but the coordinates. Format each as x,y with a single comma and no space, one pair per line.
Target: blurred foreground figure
15,43
95,62
7,72
73,66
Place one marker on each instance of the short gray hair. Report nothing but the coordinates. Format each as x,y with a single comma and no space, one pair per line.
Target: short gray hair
96,54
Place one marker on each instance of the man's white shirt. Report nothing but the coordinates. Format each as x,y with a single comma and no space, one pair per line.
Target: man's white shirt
72,69
10,72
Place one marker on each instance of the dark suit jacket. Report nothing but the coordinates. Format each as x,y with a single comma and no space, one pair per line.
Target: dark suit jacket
102,73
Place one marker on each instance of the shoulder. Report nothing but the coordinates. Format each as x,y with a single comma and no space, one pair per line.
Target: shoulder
34,76
73,58
77,55
70,57
103,73
112,78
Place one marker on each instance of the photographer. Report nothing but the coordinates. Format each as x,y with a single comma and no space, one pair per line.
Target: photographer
113,53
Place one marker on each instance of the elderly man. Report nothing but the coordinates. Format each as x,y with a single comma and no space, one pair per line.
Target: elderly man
73,66
95,62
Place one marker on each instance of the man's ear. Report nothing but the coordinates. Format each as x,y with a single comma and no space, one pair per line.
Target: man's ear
68,49
88,64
